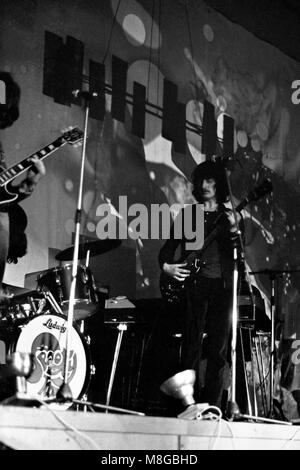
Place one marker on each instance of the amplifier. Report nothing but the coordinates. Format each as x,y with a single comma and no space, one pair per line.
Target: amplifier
248,307
119,310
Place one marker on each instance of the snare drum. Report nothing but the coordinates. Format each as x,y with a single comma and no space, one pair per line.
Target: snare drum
45,337
58,281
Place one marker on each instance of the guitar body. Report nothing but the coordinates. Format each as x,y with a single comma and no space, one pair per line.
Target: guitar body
7,197
174,291
171,290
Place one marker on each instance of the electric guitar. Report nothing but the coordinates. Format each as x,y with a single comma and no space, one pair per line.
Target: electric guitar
173,291
72,136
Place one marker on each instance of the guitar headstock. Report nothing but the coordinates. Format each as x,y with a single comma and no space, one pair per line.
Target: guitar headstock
73,136
264,188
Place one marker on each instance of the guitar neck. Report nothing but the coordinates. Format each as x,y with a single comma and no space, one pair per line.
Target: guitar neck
6,176
213,233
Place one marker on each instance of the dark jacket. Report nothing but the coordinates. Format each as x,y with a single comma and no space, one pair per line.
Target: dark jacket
222,244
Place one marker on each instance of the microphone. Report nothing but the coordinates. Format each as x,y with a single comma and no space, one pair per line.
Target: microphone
88,95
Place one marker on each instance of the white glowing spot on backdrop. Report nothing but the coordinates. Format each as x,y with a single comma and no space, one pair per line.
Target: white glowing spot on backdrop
194,114
242,138
152,175
134,29
138,25
262,130
91,227
208,33
255,144
88,200
69,185
221,103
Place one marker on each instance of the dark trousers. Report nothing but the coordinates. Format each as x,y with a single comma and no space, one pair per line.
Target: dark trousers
4,242
208,311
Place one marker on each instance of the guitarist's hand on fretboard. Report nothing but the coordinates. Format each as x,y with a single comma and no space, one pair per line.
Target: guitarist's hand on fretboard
35,173
230,218
176,271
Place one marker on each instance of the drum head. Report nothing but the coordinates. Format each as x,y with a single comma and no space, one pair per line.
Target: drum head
45,337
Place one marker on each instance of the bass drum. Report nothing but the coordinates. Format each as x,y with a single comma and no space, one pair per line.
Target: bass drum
45,337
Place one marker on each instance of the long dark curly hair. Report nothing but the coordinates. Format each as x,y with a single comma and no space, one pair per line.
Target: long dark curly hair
206,170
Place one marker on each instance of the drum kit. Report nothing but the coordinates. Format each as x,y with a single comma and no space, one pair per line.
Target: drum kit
47,326
35,322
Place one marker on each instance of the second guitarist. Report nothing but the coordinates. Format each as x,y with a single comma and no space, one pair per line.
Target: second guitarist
9,113
209,292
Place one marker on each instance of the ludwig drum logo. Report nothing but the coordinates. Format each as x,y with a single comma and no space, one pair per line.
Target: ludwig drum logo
54,326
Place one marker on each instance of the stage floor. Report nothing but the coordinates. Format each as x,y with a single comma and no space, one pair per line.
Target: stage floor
24,428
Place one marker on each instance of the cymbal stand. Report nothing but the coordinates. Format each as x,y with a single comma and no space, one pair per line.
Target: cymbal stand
273,275
87,259
64,392
52,301
233,411
272,350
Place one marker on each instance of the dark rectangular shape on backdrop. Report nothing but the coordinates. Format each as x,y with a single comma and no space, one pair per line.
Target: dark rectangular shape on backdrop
52,46
228,137
180,126
138,110
62,67
169,110
74,63
97,85
119,85
209,130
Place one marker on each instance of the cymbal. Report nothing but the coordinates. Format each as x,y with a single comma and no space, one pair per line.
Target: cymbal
271,272
95,248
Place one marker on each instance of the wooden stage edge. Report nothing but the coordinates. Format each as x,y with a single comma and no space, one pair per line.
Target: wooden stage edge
23,428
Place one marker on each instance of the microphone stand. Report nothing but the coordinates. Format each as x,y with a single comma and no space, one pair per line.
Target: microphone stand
233,412
232,407
64,393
